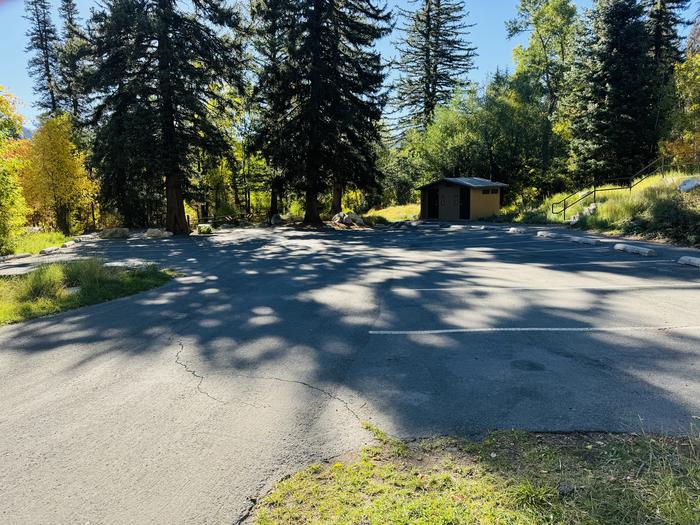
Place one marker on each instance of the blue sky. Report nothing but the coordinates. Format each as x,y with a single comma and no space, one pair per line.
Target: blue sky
489,35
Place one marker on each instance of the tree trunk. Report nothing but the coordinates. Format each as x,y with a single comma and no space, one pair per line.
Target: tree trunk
62,218
337,201
175,219
275,192
311,208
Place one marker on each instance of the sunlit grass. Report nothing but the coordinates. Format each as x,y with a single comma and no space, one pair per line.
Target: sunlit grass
35,242
514,478
57,287
653,208
406,212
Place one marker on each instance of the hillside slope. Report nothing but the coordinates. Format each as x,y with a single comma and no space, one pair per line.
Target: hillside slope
655,208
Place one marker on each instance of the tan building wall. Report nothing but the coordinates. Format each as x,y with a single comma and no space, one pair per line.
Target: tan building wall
449,203
483,205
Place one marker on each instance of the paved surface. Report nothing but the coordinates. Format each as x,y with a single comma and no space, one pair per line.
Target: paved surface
181,404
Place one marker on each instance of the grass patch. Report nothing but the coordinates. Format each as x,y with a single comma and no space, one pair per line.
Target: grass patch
653,209
509,478
35,242
406,212
57,287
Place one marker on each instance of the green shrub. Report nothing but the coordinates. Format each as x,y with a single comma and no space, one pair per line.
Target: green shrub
44,282
205,229
87,272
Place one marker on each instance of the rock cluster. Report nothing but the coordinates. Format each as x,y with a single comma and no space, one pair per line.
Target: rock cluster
114,233
157,233
348,219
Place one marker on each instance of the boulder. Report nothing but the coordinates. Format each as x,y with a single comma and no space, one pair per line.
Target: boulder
689,185
114,233
276,219
347,220
338,217
156,233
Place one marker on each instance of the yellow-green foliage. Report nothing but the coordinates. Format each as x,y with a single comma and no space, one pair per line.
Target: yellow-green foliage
397,213
13,210
46,289
654,208
684,142
35,242
513,478
56,184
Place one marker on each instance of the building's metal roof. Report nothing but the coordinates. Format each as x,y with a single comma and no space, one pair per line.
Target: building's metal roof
468,182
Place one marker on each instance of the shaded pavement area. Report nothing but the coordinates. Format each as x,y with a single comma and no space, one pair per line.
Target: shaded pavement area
265,354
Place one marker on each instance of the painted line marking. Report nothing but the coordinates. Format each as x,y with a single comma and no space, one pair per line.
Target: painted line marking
535,329
551,288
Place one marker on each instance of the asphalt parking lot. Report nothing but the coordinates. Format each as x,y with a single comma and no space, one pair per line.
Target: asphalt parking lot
183,404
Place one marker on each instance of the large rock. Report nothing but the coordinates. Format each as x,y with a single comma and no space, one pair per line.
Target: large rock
349,218
114,233
689,185
276,219
156,233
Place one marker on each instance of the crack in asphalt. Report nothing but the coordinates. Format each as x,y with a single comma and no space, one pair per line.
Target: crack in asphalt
330,395
194,373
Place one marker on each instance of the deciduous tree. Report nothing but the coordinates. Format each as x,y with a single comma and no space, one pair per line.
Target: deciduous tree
12,161
55,182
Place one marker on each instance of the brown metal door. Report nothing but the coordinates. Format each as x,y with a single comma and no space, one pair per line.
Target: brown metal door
465,204
433,204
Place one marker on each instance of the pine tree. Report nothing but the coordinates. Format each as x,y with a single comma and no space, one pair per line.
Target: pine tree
435,59
43,65
71,52
332,81
612,98
272,40
162,68
664,18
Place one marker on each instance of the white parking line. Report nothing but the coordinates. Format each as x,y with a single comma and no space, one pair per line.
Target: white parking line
535,329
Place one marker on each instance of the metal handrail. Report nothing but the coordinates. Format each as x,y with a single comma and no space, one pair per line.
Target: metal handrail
566,205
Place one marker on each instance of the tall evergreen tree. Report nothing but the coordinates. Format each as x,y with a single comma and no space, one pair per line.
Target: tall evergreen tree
664,19
165,65
612,98
273,39
332,80
125,118
71,52
43,65
435,58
